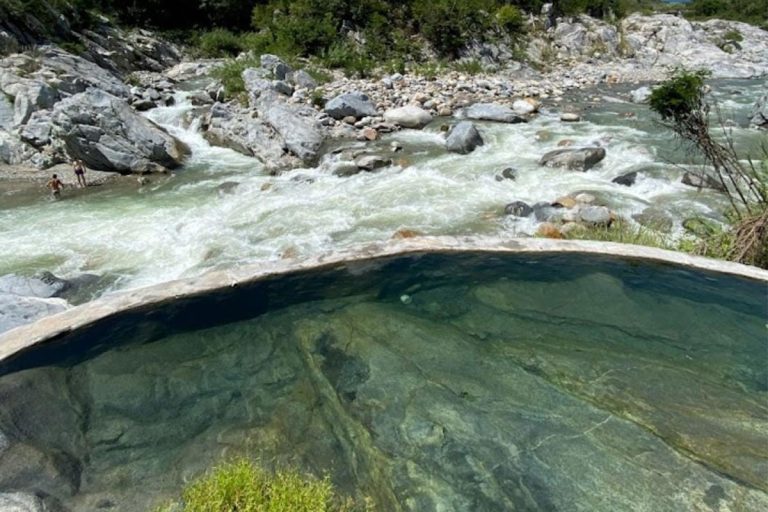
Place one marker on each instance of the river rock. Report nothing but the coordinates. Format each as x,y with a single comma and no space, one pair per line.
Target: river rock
525,106
303,80
581,159
463,138
492,112
548,212
640,95
21,502
570,117
510,173
595,215
518,209
655,219
700,180
409,116
354,104
44,286
297,125
759,116
627,179
16,310
230,126
372,162
108,135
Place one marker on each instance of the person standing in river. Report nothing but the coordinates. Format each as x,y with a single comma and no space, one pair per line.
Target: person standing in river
79,167
55,184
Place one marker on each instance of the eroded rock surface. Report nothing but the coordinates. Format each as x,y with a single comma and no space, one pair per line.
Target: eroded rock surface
577,393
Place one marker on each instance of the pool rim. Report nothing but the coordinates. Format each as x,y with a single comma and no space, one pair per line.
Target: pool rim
20,339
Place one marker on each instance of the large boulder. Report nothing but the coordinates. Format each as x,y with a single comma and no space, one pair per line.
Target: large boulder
578,159
6,113
236,128
296,125
492,112
409,116
103,131
464,138
354,104
759,115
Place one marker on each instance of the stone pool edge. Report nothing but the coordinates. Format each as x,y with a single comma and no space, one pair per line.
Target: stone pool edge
25,337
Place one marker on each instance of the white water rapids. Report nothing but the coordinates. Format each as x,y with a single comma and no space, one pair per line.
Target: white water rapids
184,224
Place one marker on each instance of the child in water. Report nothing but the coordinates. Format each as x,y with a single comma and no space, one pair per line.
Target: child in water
55,185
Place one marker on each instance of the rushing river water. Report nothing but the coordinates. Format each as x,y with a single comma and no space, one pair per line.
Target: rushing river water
224,209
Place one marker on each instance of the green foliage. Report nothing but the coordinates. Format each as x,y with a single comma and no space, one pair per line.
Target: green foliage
353,60
624,232
244,487
733,35
510,19
470,67
676,99
231,74
221,43
749,11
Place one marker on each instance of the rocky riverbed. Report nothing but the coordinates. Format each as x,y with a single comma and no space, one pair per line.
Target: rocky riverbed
296,166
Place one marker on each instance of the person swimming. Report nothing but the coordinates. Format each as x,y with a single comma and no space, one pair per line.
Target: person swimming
55,185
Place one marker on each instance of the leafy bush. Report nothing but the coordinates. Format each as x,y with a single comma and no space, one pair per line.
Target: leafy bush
231,74
510,19
221,43
244,487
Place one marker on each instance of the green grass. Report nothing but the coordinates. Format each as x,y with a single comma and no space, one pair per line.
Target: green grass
242,486
624,232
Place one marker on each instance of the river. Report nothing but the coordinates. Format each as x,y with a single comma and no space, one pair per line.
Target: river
224,209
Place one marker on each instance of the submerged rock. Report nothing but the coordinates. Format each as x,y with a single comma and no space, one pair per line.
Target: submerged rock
627,179
581,159
463,138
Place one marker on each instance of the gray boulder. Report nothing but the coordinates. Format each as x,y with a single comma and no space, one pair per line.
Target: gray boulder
579,159
303,80
464,138
492,112
371,162
16,310
296,125
6,113
108,135
759,116
37,131
236,128
409,116
627,179
21,502
595,215
518,209
510,173
43,286
640,95
354,104
276,66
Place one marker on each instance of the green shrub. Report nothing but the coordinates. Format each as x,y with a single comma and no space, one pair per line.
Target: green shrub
510,19
221,43
345,55
733,35
470,67
241,486
231,74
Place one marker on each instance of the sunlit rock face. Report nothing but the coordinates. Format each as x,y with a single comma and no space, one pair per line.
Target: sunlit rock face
431,382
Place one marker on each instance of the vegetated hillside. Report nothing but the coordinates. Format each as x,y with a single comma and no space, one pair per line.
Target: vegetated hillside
338,30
